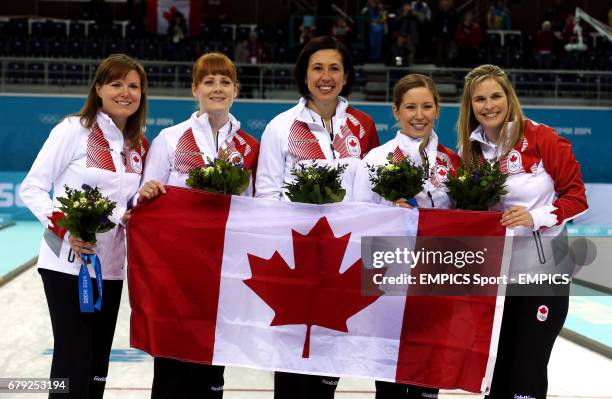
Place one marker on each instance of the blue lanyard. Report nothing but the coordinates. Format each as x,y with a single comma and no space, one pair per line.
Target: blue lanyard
85,288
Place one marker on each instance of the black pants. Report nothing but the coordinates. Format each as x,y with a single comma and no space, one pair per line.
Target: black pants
304,386
174,379
390,390
529,328
81,341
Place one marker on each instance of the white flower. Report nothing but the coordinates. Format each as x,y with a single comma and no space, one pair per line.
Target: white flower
208,170
391,167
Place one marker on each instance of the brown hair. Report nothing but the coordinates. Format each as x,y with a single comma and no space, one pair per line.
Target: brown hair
214,64
412,81
467,121
117,66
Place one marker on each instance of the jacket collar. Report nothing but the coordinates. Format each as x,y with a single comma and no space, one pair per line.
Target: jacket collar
307,115
108,127
410,147
226,132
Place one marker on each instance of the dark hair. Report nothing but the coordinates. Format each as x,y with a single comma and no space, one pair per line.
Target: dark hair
323,43
117,66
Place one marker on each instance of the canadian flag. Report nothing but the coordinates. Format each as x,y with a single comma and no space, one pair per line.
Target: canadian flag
161,12
276,285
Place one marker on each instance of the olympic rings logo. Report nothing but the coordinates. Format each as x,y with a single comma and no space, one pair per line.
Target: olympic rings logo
49,119
257,124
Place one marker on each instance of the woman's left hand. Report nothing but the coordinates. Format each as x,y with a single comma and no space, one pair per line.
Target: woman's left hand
126,217
402,203
517,216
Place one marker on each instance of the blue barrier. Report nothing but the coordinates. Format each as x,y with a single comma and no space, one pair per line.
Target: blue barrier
27,121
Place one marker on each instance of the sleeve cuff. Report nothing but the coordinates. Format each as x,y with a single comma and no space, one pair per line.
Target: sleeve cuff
543,217
54,227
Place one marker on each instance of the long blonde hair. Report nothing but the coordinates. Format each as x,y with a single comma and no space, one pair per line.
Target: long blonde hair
467,122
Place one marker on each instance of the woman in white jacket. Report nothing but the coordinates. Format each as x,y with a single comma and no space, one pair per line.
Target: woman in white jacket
174,152
102,145
416,106
545,190
321,128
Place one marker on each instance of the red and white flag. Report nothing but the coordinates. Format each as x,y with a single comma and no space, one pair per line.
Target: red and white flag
160,13
277,285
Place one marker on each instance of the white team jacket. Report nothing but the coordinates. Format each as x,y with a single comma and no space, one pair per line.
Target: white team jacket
73,156
441,160
180,148
297,136
543,176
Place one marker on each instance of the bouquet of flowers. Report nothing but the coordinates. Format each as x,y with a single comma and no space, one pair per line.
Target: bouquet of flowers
221,175
86,212
397,180
316,184
477,188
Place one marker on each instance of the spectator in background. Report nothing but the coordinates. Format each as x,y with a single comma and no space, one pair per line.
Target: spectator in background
308,29
556,15
241,53
256,53
498,16
444,27
342,31
422,12
400,53
573,46
406,25
177,33
545,45
177,29
568,33
468,38
377,21
250,51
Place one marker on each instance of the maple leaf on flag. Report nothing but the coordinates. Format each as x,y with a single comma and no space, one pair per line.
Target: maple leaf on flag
314,292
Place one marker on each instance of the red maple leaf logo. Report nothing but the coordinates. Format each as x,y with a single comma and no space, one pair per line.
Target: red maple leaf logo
513,158
314,292
352,143
543,310
442,172
135,159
